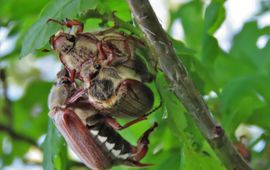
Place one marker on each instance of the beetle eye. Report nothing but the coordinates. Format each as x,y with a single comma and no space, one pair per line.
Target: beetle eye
97,66
71,38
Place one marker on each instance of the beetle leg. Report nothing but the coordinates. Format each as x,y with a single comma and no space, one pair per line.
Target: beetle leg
124,40
100,49
106,52
112,29
72,74
69,24
77,94
115,125
142,144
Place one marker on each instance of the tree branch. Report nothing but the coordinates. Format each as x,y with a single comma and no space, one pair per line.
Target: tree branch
183,87
17,136
7,108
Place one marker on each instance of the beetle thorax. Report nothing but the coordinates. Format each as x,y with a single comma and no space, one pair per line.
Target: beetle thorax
84,50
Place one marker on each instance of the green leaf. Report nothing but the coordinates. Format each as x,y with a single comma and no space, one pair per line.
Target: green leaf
245,47
241,97
172,108
181,48
227,67
192,21
191,160
214,16
210,51
39,34
120,7
32,110
55,150
261,117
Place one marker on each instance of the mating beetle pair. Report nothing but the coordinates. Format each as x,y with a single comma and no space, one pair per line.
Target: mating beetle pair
107,64
88,132
112,85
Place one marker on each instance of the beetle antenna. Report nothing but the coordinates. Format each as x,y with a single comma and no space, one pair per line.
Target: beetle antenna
54,20
45,50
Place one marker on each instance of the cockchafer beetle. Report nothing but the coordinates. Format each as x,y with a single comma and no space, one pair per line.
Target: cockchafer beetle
88,132
116,87
114,94
104,48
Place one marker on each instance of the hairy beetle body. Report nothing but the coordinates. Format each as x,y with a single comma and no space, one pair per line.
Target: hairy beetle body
104,48
112,74
124,97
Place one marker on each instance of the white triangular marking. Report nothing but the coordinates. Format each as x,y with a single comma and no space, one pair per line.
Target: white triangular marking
109,146
116,152
94,132
125,156
102,139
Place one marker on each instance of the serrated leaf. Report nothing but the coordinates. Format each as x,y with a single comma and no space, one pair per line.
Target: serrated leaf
39,34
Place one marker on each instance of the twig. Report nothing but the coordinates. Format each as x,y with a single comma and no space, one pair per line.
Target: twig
17,136
183,87
7,109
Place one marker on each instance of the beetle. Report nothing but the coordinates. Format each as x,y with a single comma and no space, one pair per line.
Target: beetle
116,87
89,135
116,95
108,47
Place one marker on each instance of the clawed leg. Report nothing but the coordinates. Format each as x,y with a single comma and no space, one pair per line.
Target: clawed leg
125,39
69,23
114,124
71,73
142,145
106,52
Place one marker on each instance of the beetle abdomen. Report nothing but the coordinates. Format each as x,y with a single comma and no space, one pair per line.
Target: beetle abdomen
135,98
112,143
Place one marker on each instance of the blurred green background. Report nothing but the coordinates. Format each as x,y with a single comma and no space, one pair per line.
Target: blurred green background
224,45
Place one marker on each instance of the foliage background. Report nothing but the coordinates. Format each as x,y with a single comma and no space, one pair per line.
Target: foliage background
235,84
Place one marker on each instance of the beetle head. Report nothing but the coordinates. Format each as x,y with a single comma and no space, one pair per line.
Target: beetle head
61,91
62,42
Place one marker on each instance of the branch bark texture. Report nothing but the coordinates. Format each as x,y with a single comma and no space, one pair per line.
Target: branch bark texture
184,88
